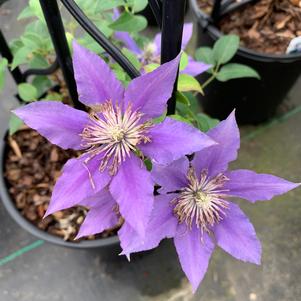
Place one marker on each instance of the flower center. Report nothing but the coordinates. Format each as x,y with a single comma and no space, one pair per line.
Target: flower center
149,54
114,134
202,201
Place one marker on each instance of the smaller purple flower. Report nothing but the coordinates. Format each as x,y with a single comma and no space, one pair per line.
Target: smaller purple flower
114,136
151,52
194,209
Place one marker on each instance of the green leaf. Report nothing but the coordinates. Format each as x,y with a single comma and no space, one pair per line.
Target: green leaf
132,58
184,61
3,65
42,84
107,5
205,55
139,5
38,61
54,96
27,92
130,23
27,12
69,38
189,83
180,118
103,26
15,45
14,124
225,48
150,67
180,97
232,71
31,41
205,123
20,57
36,8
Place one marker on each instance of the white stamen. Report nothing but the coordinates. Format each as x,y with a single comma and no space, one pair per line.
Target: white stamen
115,134
202,201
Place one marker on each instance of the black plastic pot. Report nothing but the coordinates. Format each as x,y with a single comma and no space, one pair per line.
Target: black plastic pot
110,244
255,100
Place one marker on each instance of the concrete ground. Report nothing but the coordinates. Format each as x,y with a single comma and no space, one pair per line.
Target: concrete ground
37,271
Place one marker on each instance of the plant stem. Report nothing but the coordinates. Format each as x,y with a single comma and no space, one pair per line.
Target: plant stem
209,80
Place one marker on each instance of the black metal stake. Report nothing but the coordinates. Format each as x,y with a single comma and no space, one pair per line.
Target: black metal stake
172,31
156,7
6,53
56,30
215,14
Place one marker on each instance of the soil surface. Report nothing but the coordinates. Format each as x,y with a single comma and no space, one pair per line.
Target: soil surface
266,26
32,167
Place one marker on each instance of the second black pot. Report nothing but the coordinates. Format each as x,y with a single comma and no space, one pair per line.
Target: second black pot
255,100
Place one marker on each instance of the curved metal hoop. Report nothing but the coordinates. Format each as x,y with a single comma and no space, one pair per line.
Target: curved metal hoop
100,38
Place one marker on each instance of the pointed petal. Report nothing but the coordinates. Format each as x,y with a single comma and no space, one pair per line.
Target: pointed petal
187,33
195,68
171,177
194,253
132,188
162,224
150,92
127,41
157,42
75,184
254,187
217,158
59,123
95,81
172,139
236,235
101,215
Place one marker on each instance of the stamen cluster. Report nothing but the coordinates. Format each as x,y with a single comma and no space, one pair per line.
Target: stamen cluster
202,201
115,134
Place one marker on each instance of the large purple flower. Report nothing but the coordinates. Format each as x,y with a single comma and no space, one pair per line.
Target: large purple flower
194,209
114,137
151,52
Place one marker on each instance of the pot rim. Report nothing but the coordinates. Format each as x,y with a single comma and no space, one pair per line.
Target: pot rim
32,229
203,20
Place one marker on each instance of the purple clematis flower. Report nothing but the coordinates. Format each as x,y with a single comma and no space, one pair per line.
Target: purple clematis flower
151,52
114,137
194,209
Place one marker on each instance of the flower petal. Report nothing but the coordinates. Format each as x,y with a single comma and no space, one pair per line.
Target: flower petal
236,235
95,81
127,41
171,177
101,215
254,187
162,224
172,139
59,123
77,183
150,92
194,253
132,188
195,68
217,158
187,33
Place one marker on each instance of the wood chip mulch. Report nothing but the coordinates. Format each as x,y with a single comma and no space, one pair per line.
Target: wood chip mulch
267,26
31,169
